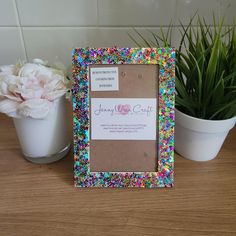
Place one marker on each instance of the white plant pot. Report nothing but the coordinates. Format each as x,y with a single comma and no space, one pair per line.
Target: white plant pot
44,140
198,139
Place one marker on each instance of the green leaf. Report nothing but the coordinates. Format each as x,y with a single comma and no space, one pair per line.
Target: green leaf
135,41
147,44
186,104
222,108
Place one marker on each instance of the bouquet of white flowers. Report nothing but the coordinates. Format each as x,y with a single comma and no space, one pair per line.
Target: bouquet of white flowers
29,89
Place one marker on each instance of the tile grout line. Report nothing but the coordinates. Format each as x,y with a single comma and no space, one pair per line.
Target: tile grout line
20,29
174,35
100,26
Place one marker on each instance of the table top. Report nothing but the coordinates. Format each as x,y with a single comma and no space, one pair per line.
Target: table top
42,200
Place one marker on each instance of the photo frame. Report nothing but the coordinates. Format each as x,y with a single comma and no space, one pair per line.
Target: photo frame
111,60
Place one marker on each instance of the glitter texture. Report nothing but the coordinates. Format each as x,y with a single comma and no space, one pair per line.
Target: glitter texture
165,58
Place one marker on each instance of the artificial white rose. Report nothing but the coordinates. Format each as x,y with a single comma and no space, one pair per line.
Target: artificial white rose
35,108
40,62
9,69
9,107
8,85
34,70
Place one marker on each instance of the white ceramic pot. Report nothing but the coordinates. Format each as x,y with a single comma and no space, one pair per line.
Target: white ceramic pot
44,140
198,139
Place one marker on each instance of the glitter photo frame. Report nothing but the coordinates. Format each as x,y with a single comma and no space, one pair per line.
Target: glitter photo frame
83,58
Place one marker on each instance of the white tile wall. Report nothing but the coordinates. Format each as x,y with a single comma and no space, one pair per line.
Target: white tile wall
136,12
187,8
228,11
56,43
8,16
57,12
51,28
11,49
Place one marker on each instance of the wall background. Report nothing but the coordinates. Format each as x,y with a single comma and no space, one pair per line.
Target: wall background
50,29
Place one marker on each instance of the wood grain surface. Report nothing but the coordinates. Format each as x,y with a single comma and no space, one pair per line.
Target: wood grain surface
41,199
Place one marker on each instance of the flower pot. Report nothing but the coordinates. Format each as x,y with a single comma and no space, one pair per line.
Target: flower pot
44,140
198,139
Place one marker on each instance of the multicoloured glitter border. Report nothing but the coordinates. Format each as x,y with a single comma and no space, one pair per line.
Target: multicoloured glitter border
82,58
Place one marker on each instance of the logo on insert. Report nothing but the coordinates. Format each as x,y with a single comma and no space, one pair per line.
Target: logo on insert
123,109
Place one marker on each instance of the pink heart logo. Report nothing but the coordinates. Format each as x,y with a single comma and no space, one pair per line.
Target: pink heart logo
123,109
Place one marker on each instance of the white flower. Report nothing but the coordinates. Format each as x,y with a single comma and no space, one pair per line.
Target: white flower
29,89
35,108
40,62
9,107
9,69
35,70
7,87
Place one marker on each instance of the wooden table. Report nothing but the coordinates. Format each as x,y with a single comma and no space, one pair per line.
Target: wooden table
41,199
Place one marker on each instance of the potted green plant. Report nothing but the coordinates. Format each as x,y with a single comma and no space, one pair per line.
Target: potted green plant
205,87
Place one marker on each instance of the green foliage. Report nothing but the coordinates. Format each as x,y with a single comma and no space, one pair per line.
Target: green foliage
205,68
